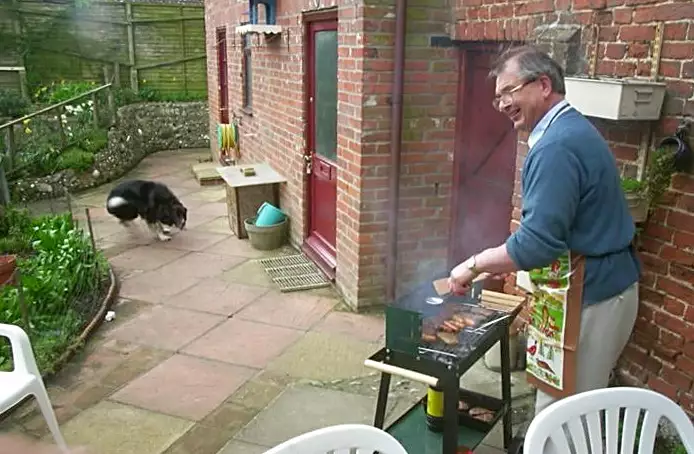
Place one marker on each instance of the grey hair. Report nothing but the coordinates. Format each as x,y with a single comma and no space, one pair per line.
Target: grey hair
532,63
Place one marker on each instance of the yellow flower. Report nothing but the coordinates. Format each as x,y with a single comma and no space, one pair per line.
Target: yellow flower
26,122
27,130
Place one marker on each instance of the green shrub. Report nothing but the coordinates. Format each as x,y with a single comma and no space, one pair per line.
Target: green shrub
62,91
94,141
37,149
61,280
632,185
15,230
75,158
13,104
125,96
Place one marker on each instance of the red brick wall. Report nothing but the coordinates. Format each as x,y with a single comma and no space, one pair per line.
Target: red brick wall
661,352
275,130
429,100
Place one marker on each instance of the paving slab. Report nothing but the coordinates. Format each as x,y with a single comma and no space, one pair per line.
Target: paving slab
240,447
200,265
146,258
125,310
250,272
322,356
206,172
106,228
139,361
196,219
211,208
242,248
209,194
156,285
135,235
292,310
217,296
482,380
197,241
368,328
113,428
257,393
212,433
301,409
244,343
217,225
200,386
167,328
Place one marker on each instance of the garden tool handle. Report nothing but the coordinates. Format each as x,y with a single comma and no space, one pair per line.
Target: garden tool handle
406,373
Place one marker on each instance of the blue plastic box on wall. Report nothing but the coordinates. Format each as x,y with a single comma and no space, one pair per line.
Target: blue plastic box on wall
270,11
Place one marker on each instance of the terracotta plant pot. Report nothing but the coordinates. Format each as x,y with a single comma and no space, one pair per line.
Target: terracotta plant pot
8,263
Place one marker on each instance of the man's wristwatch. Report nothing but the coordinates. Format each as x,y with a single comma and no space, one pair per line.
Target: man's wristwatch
471,264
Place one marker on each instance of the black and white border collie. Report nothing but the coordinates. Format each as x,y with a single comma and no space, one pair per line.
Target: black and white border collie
153,202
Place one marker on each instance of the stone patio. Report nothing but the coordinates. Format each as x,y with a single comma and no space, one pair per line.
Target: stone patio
205,355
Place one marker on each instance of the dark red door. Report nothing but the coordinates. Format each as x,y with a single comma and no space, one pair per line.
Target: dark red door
321,154
222,75
484,164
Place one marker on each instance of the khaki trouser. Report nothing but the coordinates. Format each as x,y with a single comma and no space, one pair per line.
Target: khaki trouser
605,330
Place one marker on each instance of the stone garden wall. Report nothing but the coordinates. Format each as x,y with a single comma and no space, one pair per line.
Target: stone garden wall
142,129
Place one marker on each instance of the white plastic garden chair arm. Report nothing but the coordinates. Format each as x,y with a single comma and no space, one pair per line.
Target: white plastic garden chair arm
341,439
22,353
570,410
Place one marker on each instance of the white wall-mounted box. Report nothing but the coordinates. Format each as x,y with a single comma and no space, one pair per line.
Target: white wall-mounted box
259,29
616,99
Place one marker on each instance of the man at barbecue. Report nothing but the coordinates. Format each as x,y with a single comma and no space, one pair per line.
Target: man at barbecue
572,201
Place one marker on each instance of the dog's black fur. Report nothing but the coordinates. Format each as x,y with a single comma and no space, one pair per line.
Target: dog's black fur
153,202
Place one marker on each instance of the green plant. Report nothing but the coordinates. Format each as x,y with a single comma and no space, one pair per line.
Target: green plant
15,230
13,104
632,185
94,140
62,91
659,174
36,149
58,141
76,159
61,277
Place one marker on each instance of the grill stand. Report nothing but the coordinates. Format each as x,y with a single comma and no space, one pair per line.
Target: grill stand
421,440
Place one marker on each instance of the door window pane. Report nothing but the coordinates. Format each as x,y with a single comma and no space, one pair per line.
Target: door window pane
325,83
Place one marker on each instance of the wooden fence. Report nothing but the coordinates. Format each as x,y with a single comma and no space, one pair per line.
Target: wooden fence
14,77
156,46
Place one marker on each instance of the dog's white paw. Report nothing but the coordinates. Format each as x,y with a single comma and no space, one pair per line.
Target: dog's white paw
166,230
163,237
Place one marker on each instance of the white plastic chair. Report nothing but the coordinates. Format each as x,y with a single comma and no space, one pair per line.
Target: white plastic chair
341,439
25,380
580,417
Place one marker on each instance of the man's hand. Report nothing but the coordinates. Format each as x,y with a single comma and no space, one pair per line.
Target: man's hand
460,278
18,444
457,287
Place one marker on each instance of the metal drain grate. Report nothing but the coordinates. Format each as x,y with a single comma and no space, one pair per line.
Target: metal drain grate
294,272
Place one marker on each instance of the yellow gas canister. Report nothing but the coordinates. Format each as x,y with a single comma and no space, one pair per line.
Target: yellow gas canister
434,409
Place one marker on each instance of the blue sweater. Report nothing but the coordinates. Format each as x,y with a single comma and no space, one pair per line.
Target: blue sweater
573,200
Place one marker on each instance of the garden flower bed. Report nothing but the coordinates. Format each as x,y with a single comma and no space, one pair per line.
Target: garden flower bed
62,283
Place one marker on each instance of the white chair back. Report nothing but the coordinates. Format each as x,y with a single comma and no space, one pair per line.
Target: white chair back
593,418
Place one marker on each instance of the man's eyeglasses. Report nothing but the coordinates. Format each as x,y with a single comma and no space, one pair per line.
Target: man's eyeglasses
507,96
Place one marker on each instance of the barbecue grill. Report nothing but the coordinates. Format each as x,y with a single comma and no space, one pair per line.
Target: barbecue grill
434,340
